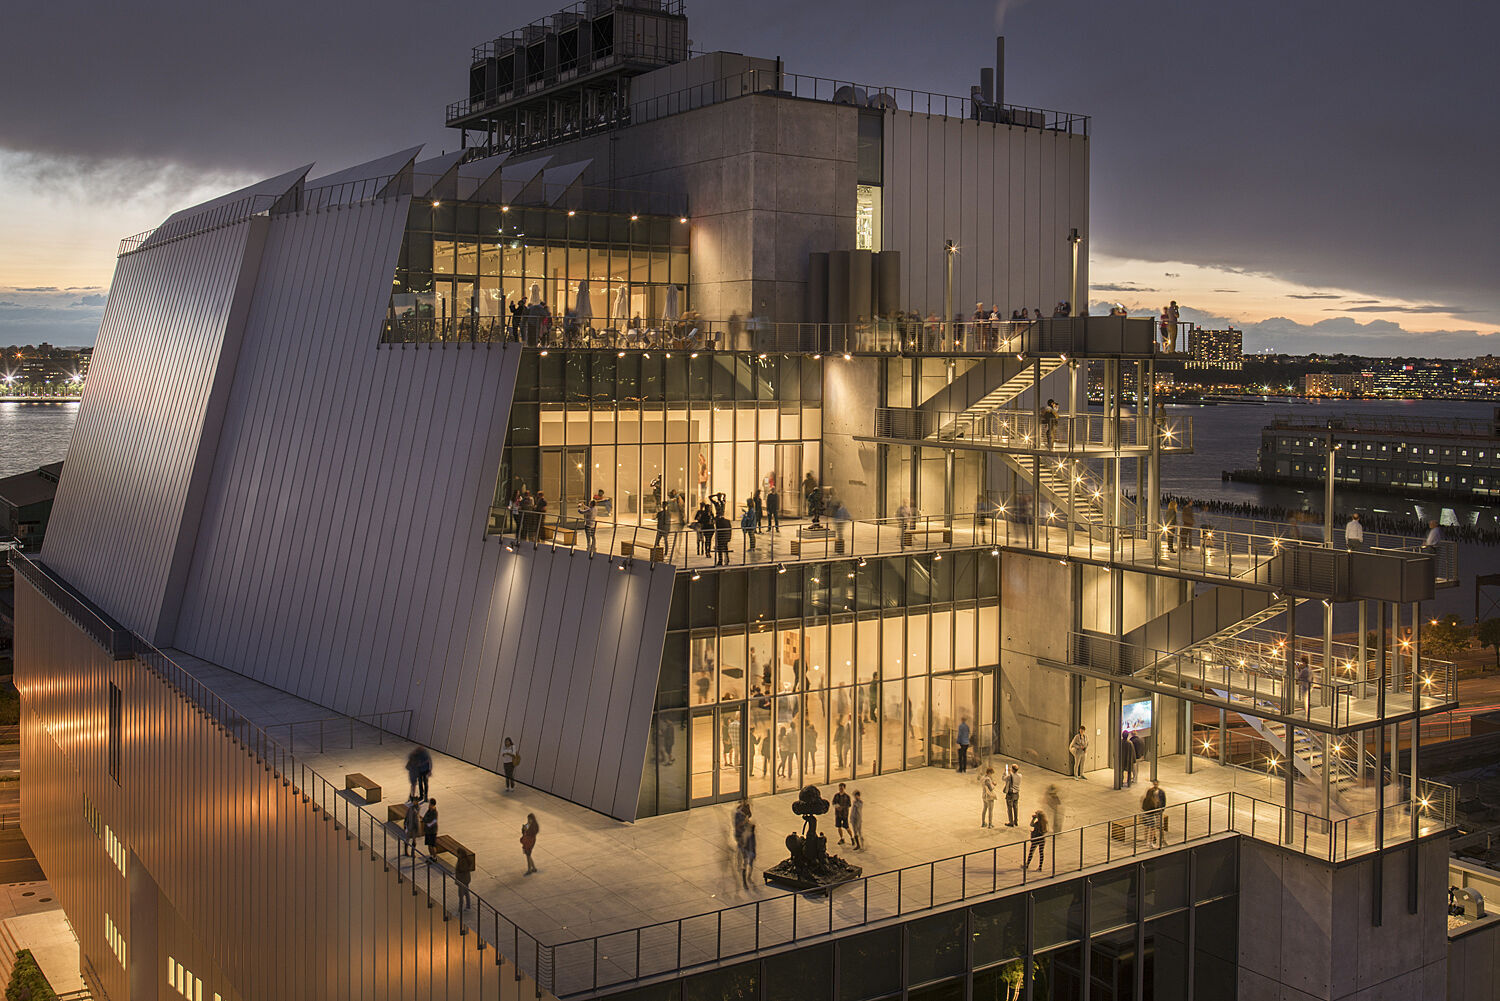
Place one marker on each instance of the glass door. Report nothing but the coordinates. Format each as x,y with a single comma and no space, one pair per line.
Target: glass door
968,696
703,755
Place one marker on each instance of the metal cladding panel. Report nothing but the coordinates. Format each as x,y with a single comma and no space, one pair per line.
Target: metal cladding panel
144,430
341,556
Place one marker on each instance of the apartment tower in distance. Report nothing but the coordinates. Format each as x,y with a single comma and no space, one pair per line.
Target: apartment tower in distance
675,429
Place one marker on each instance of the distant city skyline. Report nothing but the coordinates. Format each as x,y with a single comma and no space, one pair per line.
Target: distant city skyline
1335,205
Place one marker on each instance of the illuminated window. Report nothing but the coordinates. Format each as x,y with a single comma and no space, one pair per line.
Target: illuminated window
867,206
115,939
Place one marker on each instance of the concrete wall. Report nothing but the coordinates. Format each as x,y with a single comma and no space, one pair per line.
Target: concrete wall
851,468
1033,726
1474,962
1306,928
228,871
1006,196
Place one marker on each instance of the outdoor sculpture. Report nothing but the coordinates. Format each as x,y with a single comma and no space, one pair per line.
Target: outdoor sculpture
810,866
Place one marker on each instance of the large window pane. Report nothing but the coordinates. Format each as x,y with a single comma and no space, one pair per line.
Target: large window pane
1216,952
935,947
1112,966
1165,960
870,965
998,928
1057,914
737,983
801,975
1164,884
1058,975
1113,900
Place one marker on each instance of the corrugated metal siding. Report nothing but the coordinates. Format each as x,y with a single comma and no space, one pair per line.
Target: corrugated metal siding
340,551
260,896
1006,196
128,490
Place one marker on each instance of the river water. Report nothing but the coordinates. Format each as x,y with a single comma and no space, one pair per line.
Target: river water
34,434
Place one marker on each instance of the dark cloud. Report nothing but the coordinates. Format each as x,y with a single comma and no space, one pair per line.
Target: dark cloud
1228,291
1315,295
30,316
1388,308
88,301
40,288
1316,158
1121,287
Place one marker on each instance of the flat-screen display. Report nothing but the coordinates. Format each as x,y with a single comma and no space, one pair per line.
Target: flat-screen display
1136,715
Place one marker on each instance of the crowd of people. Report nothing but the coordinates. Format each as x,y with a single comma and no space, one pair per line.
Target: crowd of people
1311,522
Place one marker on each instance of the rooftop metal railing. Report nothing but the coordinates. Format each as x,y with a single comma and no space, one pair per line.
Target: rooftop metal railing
670,948
780,83
1055,335
1243,679
1382,424
1025,431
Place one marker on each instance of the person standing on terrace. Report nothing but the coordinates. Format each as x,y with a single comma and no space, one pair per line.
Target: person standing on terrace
773,509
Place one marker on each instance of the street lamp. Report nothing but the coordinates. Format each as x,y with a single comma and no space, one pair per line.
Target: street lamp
1073,239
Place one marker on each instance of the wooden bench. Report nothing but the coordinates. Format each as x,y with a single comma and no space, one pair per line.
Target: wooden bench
656,554
908,535
562,536
370,789
463,858
396,814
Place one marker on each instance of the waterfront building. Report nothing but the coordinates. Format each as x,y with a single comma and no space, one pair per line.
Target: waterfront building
665,281
1391,452
1216,349
25,504
1355,384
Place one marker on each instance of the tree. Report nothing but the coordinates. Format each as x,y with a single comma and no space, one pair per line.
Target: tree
1488,635
1446,636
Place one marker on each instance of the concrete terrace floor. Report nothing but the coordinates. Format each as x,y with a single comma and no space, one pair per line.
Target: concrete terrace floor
600,875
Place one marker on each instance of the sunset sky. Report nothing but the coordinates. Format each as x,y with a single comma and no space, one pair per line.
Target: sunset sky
1321,175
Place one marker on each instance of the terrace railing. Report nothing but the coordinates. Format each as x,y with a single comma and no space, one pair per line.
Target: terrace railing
1056,335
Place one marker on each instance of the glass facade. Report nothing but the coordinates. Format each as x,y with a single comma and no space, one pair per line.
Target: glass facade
773,678
466,260
647,428
1154,930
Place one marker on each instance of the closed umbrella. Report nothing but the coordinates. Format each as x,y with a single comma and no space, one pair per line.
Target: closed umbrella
536,294
622,307
585,308
673,312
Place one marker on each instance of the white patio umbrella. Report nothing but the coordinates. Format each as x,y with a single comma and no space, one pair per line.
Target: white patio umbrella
673,312
585,307
621,312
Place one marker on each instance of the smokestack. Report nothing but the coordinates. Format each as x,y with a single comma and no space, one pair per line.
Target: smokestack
1000,70
987,84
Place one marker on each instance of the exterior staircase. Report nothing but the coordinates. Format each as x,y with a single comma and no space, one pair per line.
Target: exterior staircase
967,399
1093,505
1306,753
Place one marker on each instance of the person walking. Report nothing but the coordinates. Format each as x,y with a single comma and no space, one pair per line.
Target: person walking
757,507
1152,805
509,756
1138,752
461,875
1169,526
528,841
857,822
747,525
964,739
1078,747
987,799
663,526
747,853
430,827
810,747
1354,533
773,509
787,744
1038,844
412,826
741,820
1189,523
419,770
1052,799
1013,796
768,751
841,804
841,737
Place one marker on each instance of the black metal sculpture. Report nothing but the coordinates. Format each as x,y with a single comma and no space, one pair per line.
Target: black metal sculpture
810,867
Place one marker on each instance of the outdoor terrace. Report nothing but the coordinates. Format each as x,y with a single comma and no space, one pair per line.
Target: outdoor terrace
1262,558
615,903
